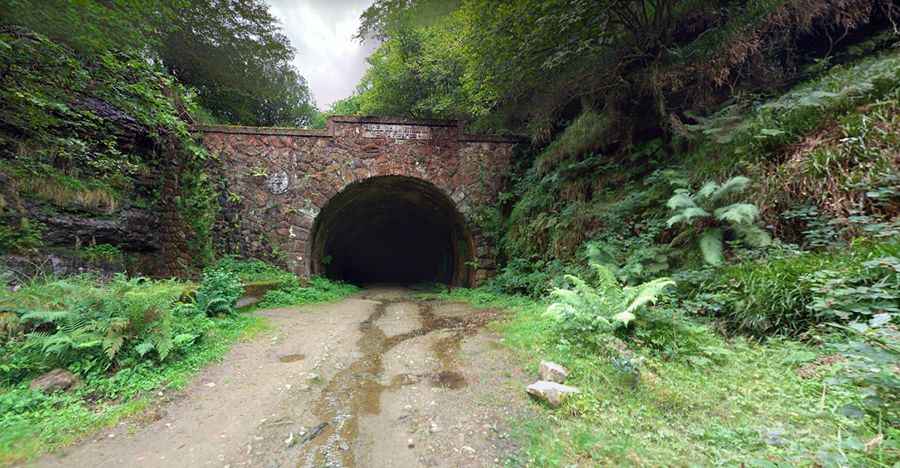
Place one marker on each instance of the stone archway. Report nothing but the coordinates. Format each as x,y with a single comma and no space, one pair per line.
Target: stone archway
391,229
281,187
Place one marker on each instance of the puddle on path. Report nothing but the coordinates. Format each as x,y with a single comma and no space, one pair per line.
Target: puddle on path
292,357
448,379
357,390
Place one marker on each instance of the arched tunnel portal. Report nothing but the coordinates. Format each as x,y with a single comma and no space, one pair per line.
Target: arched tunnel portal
391,229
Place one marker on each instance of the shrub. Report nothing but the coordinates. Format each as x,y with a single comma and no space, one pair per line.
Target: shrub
319,290
710,217
519,276
582,310
219,292
872,353
790,294
101,253
253,270
86,327
586,134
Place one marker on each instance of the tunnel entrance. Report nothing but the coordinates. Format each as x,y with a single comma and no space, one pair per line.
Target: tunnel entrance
391,229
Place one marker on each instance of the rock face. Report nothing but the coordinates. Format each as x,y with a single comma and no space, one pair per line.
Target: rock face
551,392
54,381
553,372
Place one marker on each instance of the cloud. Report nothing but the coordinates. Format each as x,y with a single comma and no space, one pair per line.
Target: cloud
327,55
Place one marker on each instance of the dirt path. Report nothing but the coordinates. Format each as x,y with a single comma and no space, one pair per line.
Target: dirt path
377,380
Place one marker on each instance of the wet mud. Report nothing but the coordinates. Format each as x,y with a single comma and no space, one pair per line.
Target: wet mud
357,390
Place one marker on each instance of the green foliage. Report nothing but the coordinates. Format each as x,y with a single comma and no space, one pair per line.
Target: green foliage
529,64
737,135
253,270
818,231
416,72
318,290
872,356
72,113
867,298
88,328
693,393
198,207
124,338
520,276
232,52
586,134
92,27
23,236
101,253
218,292
711,215
788,295
583,310
32,423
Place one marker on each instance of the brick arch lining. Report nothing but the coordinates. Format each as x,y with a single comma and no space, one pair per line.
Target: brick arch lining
274,182
392,229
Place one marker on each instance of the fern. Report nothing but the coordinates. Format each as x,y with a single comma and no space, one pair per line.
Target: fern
711,246
603,306
738,213
720,219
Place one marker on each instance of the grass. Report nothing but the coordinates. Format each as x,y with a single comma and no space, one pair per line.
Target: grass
734,141
747,406
33,423
318,290
46,183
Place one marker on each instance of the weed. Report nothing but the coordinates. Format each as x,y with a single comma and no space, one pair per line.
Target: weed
716,402
318,290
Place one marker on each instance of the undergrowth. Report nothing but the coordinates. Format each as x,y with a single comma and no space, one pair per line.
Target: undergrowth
317,290
780,342
675,392
124,338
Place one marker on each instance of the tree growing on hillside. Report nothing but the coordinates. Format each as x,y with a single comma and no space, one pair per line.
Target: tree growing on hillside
231,51
234,53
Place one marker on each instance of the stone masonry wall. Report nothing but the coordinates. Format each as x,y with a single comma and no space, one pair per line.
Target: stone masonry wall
276,181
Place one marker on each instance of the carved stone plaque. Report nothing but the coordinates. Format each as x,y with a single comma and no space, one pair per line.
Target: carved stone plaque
397,132
277,182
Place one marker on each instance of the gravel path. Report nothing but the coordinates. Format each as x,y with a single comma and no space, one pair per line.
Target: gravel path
376,380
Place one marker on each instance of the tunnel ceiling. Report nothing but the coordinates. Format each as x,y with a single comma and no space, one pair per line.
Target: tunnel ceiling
391,230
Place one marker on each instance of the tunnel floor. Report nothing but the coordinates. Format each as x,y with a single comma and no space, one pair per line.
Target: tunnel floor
390,230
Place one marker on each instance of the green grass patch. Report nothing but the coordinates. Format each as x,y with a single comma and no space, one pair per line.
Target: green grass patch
32,423
787,295
735,138
743,403
253,271
317,290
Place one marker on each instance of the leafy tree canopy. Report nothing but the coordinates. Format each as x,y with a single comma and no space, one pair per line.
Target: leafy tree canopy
232,51
533,64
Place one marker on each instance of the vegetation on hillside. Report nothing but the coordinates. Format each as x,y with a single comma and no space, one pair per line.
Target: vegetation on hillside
651,65
705,229
232,53
124,338
747,151
96,106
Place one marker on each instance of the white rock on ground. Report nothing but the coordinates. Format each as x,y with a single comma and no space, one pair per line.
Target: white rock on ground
553,372
552,392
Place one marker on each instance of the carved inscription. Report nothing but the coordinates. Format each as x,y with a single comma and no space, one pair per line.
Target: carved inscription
397,132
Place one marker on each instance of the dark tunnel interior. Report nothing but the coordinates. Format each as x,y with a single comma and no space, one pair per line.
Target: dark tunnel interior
396,230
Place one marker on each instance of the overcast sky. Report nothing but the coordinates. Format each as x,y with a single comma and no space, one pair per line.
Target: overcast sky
327,55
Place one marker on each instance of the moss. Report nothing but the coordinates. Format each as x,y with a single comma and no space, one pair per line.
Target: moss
586,134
